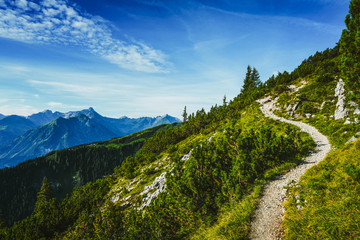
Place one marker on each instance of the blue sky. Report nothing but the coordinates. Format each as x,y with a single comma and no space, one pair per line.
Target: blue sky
151,57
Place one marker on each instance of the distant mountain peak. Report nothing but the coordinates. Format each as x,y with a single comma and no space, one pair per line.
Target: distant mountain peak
47,111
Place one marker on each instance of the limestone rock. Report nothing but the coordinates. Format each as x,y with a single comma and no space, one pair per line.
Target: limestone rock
159,185
352,139
296,106
322,105
341,110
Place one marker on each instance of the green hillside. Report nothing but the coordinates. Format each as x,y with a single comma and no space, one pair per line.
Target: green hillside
203,178
67,169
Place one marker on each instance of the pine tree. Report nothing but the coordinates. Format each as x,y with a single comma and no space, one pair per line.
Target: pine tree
224,100
185,115
350,47
251,81
247,80
43,198
255,79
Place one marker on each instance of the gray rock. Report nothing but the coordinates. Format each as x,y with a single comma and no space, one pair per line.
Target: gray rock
352,139
159,185
288,109
322,105
339,90
296,106
341,110
352,104
357,111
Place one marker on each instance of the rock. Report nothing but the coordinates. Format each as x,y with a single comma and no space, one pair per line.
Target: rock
296,106
307,115
339,90
352,139
357,111
186,156
347,121
352,104
159,185
341,110
322,105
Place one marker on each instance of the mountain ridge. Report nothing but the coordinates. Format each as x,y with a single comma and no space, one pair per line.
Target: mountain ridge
59,133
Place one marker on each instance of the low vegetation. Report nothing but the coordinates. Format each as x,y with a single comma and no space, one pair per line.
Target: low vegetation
326,203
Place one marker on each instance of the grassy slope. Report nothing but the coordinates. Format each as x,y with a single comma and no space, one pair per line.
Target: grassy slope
326,203
332,205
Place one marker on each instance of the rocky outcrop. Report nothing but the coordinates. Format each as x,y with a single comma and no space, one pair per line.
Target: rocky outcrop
186,156
153,190
341,110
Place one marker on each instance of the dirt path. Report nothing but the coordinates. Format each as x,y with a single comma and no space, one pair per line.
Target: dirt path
268,215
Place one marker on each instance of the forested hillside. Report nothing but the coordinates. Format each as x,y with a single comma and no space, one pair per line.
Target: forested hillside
67,169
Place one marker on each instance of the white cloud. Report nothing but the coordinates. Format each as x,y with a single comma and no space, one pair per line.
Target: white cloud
21,4
59,105
58,22
18,109
55,104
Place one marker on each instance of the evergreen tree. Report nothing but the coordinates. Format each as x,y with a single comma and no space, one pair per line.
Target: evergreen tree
350,47
224,100
44,196
255,79
247,80
185,115
251,81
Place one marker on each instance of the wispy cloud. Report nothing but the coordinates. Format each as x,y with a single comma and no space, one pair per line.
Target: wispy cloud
59,105
294,21
18,108
60,22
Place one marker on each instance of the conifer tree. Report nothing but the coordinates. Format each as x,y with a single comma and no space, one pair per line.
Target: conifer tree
224,100
247,80
185,115
255,79
251,81
350,47
44,196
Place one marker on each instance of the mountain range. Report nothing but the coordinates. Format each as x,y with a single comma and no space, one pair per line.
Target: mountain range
24,138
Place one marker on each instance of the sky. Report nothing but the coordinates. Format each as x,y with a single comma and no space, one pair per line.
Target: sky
151,57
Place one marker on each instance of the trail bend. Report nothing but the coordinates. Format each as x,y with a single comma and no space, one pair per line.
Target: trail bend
269,213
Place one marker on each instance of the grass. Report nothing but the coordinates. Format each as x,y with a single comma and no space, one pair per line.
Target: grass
235,220
326,203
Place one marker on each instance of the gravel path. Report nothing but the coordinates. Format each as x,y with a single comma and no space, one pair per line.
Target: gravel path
268,216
